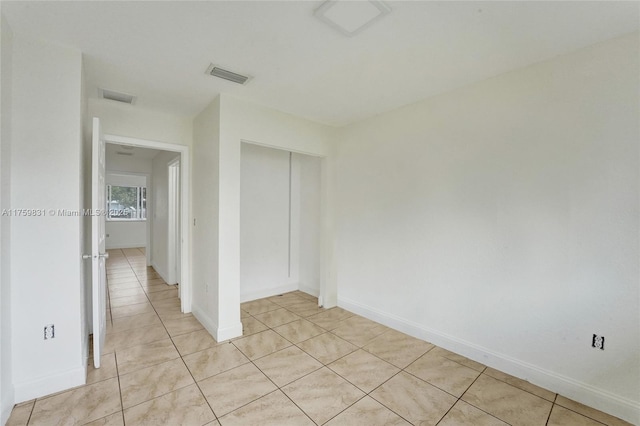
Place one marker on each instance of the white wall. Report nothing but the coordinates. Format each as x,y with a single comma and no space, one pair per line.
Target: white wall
205,190
310,221
134,122
6,379
264,223
87,127
501,221
160,212
130,164
128,233
46,174
277,256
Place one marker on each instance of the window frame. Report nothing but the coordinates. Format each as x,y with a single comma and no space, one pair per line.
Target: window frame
141,204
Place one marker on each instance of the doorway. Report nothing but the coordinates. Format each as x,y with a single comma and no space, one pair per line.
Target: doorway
176,179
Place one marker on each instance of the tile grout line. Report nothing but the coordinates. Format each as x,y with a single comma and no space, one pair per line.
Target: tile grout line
323,365
278,388
181,359
407,372
292,345
553,404
115,362
30,411
459,398
115,357
394,375
358,347
114,349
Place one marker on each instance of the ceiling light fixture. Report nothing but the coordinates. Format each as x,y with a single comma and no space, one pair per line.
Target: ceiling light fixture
351,17
235,77
112,95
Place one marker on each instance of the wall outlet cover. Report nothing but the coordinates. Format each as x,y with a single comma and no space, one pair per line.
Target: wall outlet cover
49,332
597,342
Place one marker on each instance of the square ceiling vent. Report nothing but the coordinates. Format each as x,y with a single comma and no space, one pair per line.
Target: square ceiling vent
351,17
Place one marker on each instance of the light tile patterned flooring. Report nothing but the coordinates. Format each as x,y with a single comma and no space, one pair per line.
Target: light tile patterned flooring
296,364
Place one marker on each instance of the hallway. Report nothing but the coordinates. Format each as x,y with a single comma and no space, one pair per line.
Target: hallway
296,364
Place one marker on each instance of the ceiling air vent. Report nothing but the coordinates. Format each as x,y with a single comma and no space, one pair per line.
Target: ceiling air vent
124,153
216,71
112,95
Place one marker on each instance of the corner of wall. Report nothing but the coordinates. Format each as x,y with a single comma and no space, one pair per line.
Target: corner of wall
7,393
226,333
220,334
56,382
204,207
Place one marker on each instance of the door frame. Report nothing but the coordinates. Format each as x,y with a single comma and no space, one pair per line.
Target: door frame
185,202
173,225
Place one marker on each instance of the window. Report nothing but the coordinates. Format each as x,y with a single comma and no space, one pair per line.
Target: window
126,202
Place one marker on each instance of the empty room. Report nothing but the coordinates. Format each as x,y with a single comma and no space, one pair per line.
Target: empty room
340,212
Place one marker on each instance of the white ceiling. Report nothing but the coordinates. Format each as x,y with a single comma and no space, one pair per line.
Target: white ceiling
159,51
112,151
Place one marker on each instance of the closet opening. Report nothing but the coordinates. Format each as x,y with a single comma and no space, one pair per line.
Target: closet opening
280,214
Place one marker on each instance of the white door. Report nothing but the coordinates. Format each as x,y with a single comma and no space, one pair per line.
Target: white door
98,254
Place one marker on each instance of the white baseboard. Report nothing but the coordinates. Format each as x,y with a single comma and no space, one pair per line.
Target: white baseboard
584,393
7,405
268,292
218,333
124,246
309,290
227,333
56,382
160,272
6,413
204,319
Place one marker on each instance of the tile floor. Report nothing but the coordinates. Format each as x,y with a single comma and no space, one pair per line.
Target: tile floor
296,364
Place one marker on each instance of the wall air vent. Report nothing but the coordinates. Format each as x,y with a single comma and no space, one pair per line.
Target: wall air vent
124,153
112,95
216,71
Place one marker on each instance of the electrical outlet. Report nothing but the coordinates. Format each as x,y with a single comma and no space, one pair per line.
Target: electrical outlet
49,332
598,342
